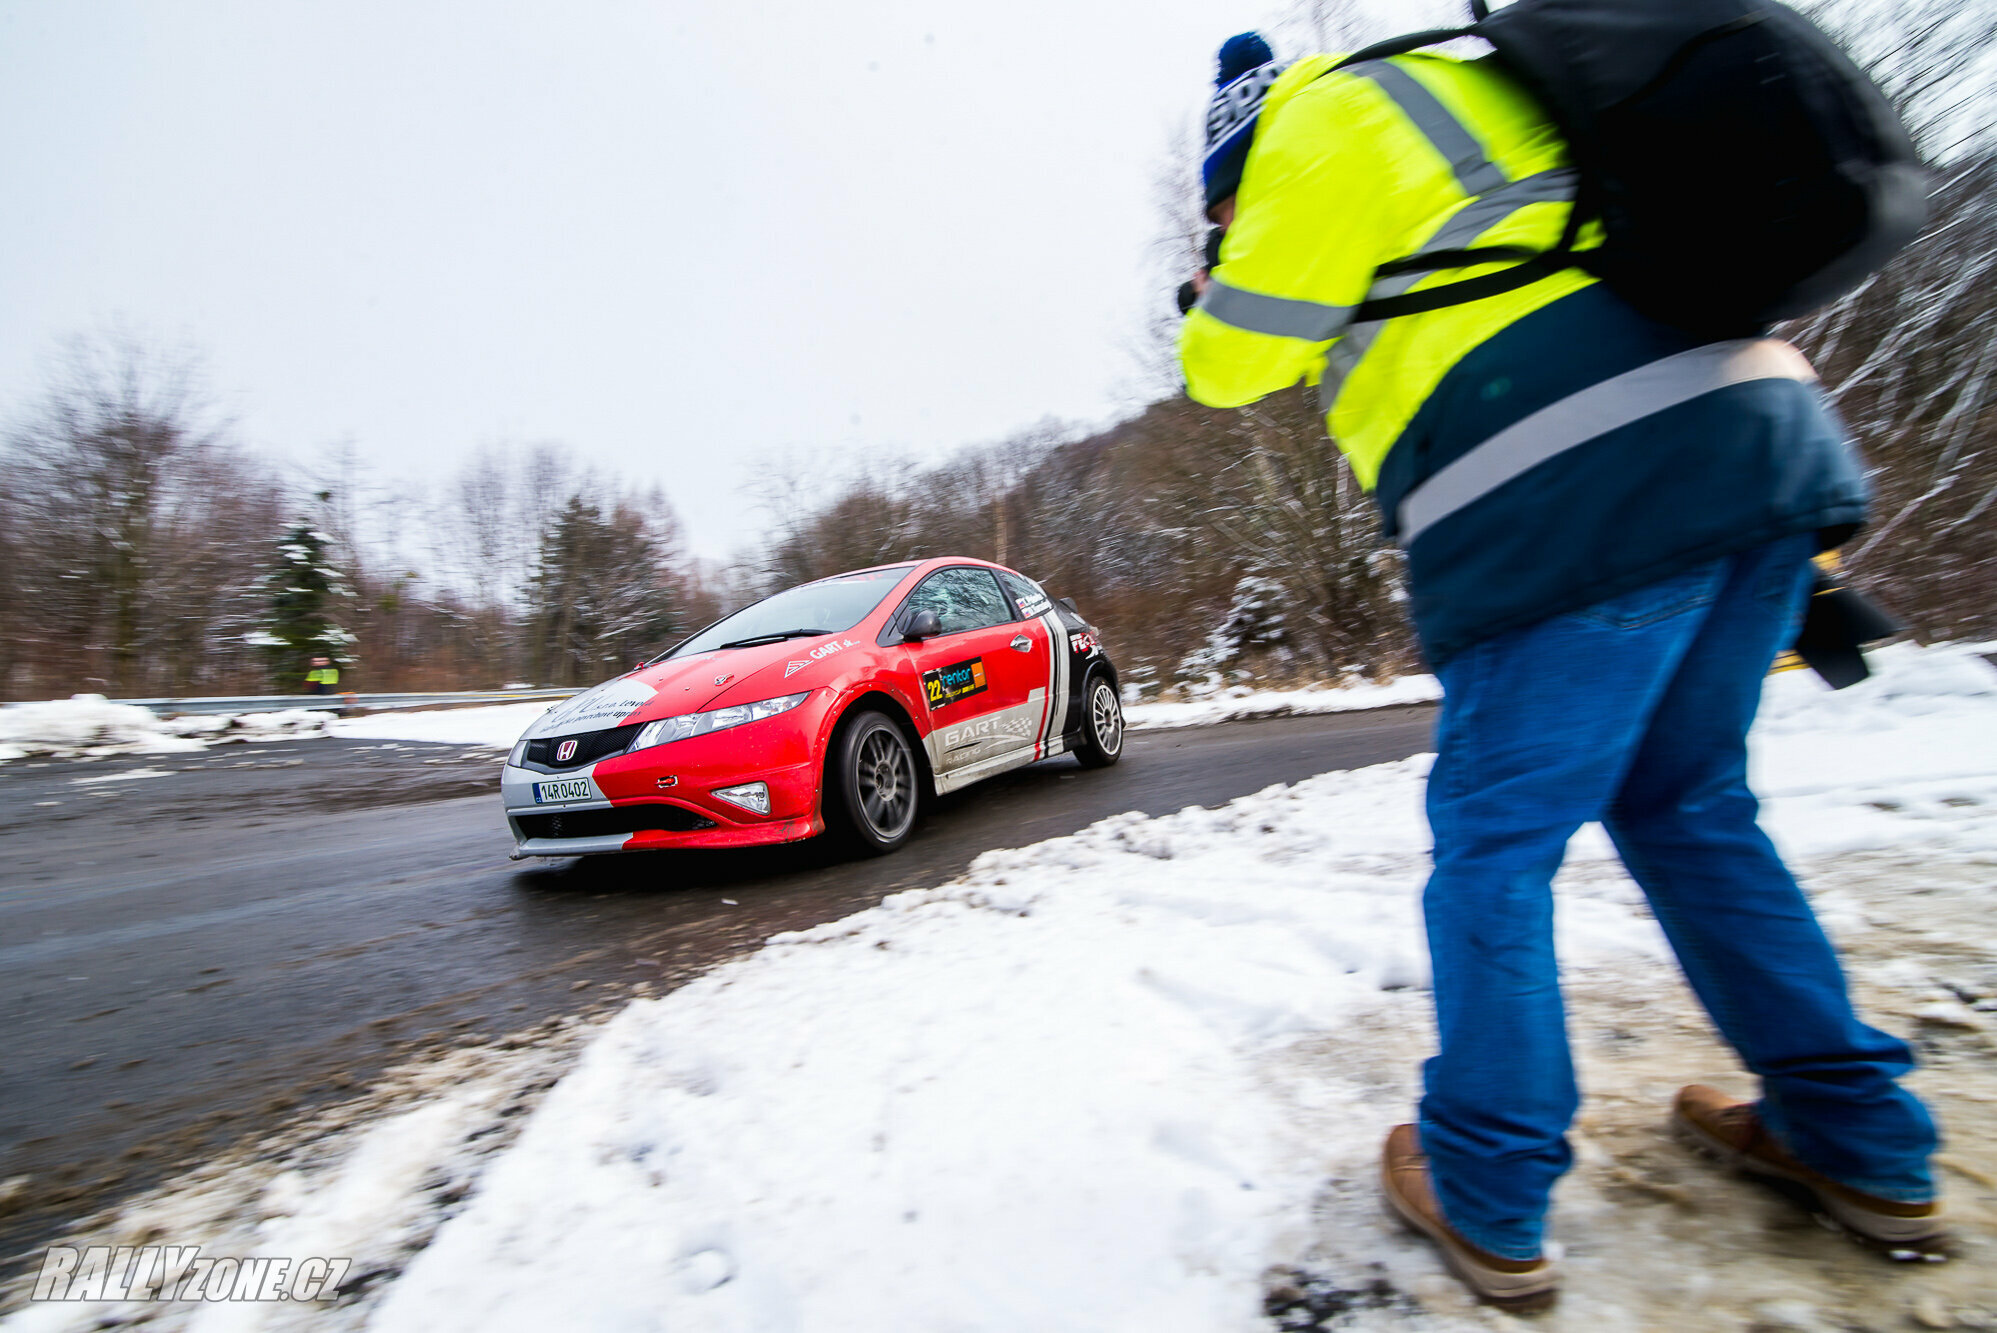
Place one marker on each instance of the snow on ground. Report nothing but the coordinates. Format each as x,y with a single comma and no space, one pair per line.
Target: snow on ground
1241,702
361,1180
1136,1078
91,726
1110,1081
85,724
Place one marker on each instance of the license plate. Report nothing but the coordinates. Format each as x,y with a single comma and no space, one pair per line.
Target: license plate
569,789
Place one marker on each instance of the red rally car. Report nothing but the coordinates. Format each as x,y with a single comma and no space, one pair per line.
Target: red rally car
839,704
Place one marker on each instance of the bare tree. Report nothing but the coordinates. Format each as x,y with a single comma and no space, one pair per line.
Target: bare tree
134,524
1910,358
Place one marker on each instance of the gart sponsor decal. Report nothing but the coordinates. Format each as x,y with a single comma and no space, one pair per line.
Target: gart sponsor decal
818,654
984,729
1088,645
959,680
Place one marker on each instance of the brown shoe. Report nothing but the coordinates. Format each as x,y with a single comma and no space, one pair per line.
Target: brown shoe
1521,1286
1732,1131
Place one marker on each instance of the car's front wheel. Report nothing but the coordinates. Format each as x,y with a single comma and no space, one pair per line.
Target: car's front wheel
875,784
1102,725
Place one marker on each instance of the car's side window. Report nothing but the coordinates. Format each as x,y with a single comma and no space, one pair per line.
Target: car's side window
1028,598
962,599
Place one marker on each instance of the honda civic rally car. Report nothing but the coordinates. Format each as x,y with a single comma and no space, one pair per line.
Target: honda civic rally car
836,705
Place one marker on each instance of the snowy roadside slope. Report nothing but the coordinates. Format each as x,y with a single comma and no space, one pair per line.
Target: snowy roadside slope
1025,1100
1108,1081
1136,1078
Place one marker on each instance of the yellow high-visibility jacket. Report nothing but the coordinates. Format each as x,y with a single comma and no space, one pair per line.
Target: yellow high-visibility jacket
1341,178
1534,451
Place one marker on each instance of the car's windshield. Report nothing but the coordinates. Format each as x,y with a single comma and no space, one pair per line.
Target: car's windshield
825,607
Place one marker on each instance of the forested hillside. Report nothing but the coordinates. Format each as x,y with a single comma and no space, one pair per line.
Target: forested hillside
145,551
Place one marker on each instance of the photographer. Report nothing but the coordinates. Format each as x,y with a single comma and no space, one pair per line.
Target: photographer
1609,521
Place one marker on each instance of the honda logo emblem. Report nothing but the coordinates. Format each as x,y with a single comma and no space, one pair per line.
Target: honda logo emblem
565,752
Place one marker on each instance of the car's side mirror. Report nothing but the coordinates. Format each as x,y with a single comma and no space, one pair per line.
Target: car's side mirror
922,625
1069,602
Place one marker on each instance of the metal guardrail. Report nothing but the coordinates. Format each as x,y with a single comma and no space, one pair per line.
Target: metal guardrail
271,703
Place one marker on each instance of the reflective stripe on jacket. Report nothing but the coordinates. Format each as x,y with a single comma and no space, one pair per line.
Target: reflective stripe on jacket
1534,451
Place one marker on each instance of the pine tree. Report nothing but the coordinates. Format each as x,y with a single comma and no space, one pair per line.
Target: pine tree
305,597
601,600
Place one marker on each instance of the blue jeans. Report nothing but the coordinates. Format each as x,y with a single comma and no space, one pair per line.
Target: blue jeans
1633,712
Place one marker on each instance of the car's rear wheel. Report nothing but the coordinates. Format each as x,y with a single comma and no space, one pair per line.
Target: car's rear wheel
1102,724
876,784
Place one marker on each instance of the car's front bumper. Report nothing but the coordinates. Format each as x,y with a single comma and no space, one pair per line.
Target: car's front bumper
664,799
656,840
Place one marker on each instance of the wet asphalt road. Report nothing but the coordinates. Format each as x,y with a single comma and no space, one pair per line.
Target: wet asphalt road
194,948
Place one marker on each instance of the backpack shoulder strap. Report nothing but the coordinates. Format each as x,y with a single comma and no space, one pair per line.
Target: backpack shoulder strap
1478,177
1400,46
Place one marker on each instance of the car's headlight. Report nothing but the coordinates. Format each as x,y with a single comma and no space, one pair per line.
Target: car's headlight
669,729
519,756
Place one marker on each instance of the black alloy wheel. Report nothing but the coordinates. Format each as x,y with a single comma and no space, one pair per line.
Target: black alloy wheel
876,784
1102,724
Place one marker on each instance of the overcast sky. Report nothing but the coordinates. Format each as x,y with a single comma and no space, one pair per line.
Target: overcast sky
685,239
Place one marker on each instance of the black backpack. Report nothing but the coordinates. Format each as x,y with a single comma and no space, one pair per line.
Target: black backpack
1744,170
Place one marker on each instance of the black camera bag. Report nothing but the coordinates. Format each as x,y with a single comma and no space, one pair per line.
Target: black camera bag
1744,170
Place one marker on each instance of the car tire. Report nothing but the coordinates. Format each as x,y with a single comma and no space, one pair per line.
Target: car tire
1102,724
874,792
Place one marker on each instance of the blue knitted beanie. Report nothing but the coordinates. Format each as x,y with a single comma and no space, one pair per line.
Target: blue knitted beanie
1247,69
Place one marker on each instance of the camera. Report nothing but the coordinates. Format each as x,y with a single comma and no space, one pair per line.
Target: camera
1188,297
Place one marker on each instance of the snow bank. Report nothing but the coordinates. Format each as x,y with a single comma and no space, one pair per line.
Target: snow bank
1024,1100
91,726
85,724
1240,702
